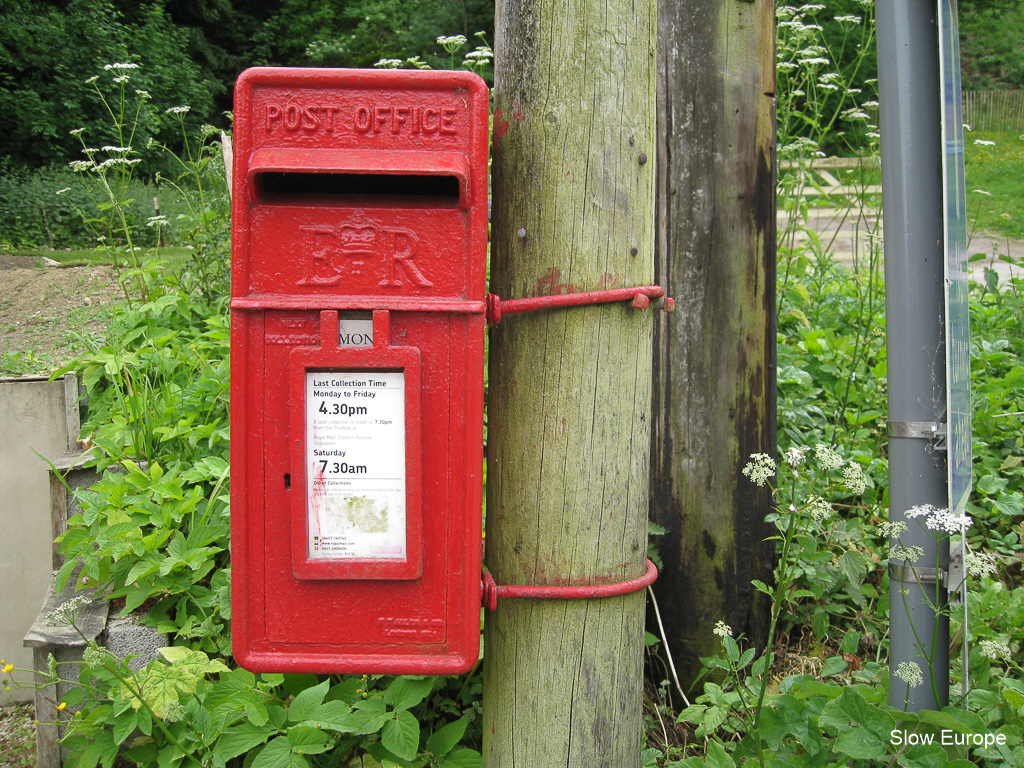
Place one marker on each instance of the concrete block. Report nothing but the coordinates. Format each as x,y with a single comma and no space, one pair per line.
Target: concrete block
33,425
128,636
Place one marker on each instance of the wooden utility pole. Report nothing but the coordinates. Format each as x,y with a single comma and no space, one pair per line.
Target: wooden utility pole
570,389
714,365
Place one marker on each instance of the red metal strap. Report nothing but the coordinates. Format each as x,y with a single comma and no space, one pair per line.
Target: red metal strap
640,298
490,591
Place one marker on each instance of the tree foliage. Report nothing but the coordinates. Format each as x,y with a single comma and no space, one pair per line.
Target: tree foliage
189,53
49,49
362,32
991,55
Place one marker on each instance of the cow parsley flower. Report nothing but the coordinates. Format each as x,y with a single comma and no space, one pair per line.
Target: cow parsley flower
944,520
819,508
827,457
910,673
95,656
854,479
919,510
454,41
760,467
892,529
910,554
794,456
980,563
993,649
722,629
67,613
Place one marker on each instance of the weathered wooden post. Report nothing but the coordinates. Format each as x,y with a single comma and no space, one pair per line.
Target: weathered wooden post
570,389
714,365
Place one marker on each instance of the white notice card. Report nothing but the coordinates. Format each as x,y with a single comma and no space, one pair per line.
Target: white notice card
355,465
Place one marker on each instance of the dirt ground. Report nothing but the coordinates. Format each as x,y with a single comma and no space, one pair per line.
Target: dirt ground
43,307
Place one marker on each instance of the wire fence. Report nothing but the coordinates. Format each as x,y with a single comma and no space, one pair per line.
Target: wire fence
994,110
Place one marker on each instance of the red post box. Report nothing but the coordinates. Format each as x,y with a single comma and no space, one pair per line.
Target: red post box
359,228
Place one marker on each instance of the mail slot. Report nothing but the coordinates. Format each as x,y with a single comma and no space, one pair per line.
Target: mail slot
359,233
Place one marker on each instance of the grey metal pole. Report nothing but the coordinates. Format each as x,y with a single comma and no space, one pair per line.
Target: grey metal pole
910,105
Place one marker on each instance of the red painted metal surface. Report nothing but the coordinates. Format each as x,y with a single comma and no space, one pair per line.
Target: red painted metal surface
639,297
490,591
359,201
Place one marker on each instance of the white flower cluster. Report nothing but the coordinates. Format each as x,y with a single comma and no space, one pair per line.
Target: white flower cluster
943,520
855,113
980,564
993,649
854,479
910,554
116,161
828,458
177,110
939,519
919,510
67,613
892,529
910,673
760,467
454,41
94,656
820,509
795,456
722,629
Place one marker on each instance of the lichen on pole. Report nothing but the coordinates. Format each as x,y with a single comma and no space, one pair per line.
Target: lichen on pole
569,389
